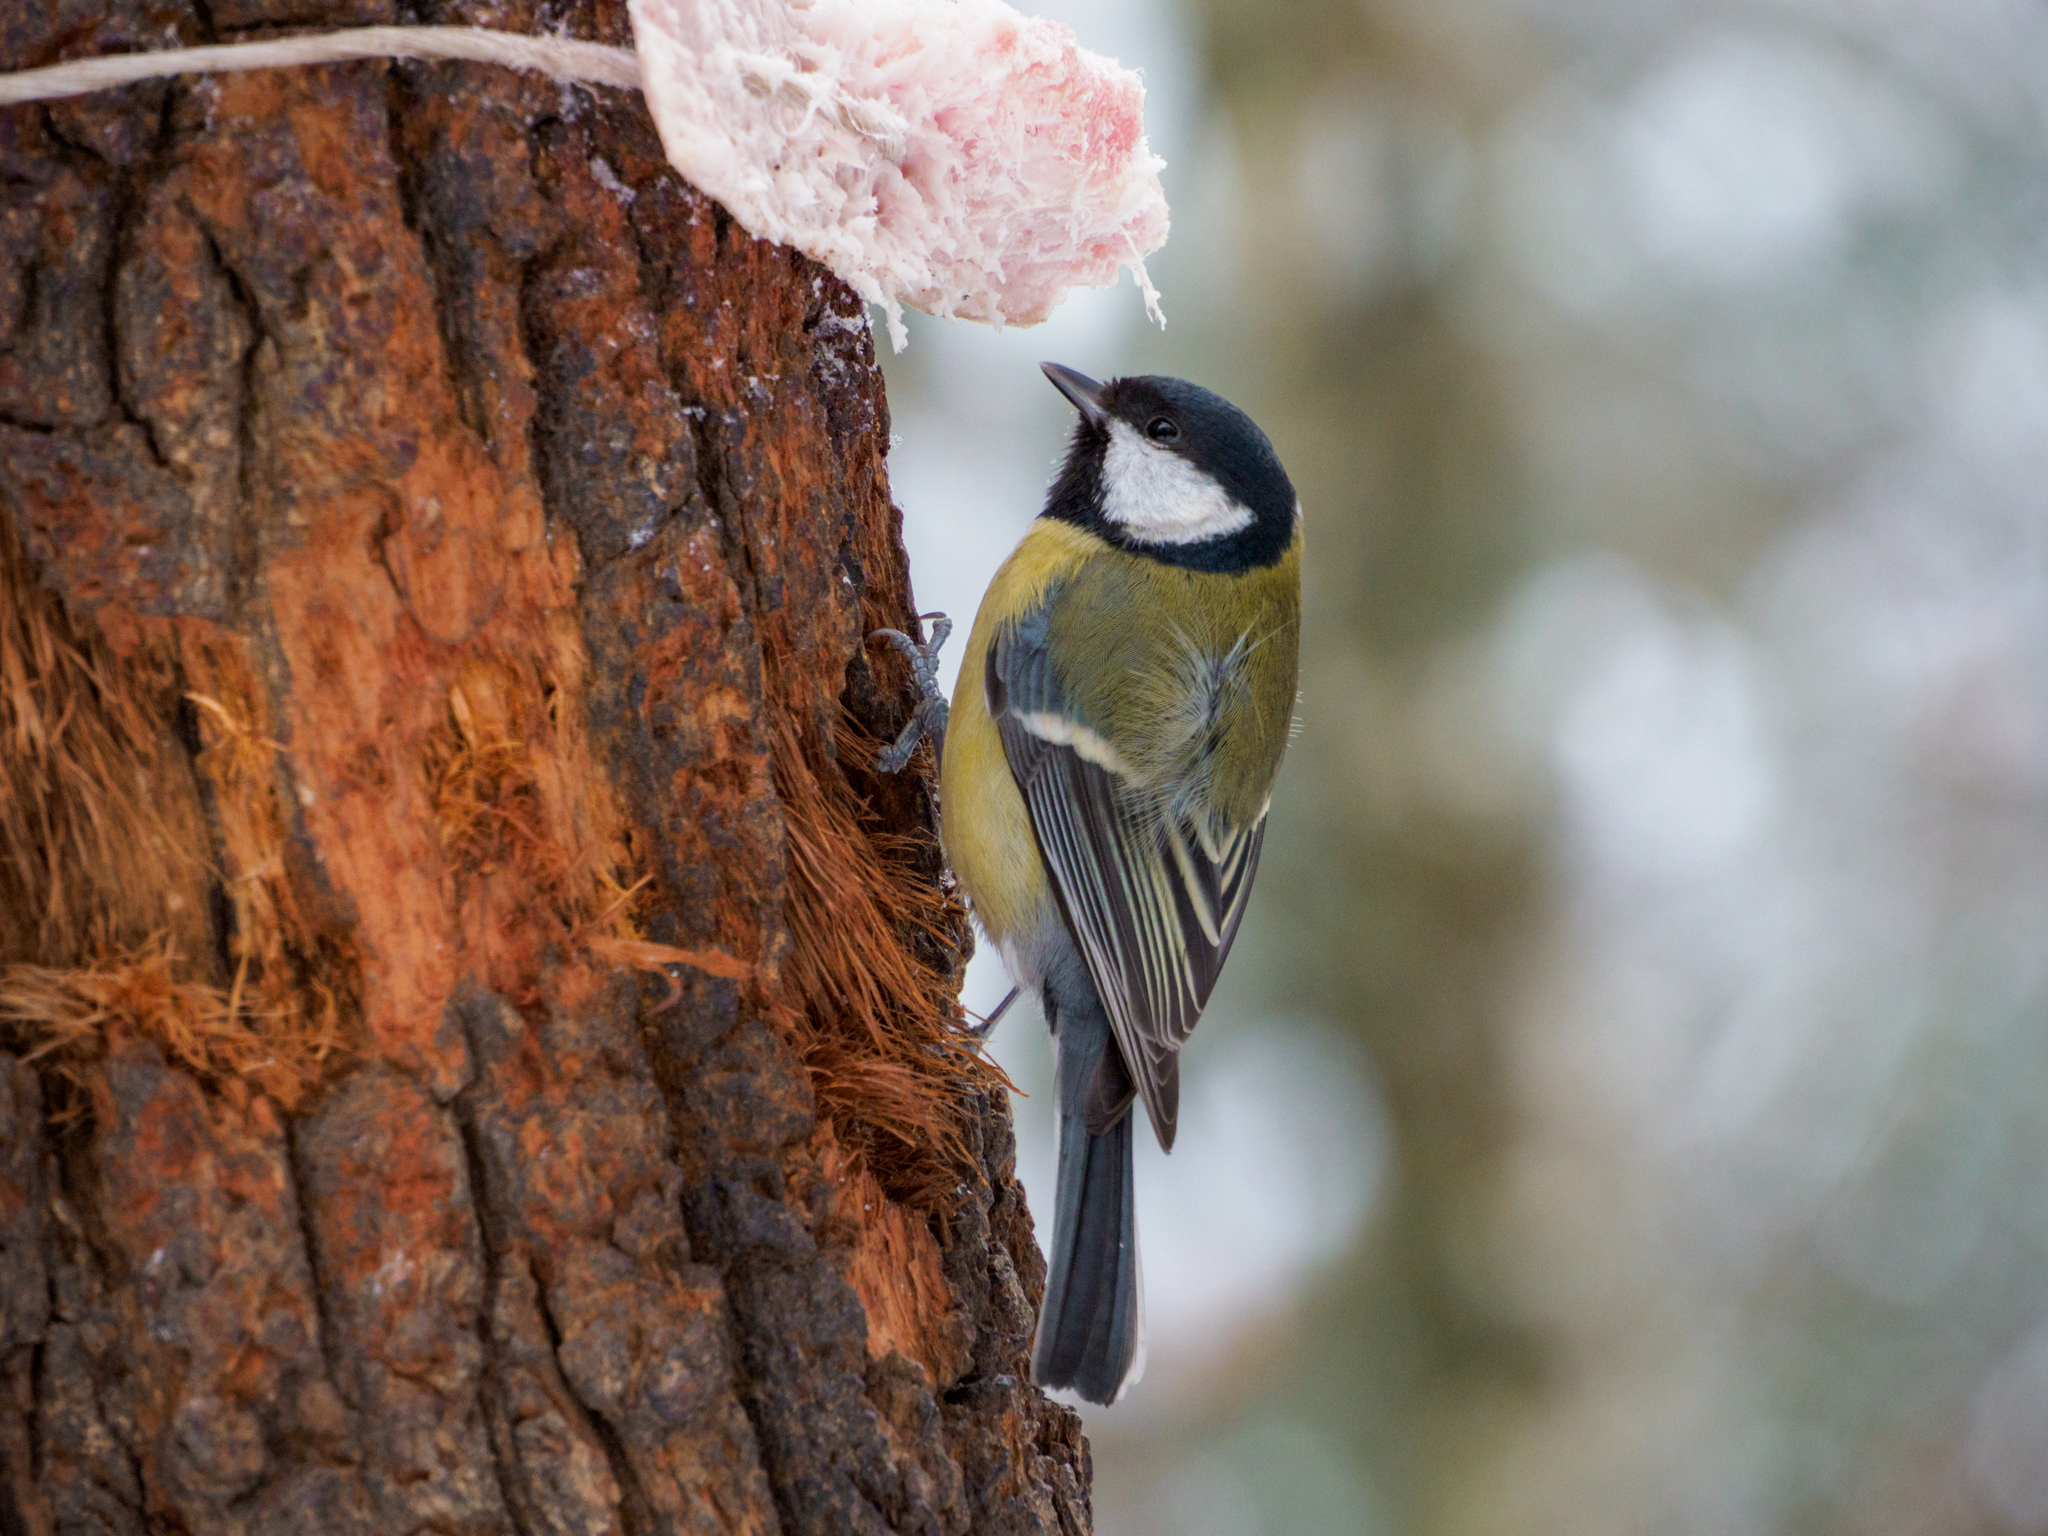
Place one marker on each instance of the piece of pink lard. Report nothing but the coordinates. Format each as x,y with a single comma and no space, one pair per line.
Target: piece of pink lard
952,156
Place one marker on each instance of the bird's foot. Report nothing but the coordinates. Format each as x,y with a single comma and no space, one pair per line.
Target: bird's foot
929,718
987,1026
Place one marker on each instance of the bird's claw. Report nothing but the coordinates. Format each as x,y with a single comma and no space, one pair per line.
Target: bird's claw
929,717
987,1026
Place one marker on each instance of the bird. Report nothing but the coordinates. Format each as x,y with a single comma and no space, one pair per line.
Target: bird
1106,766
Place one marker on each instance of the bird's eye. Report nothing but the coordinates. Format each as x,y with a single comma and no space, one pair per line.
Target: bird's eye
1162,429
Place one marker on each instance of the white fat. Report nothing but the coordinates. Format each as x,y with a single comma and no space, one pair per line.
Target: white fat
954,156
1158,497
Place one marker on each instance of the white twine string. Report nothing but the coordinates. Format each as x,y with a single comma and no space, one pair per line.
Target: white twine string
561,57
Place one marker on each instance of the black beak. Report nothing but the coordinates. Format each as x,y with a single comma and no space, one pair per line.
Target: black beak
1085,393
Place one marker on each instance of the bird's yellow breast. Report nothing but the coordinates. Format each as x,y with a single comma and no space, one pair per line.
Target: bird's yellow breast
982,820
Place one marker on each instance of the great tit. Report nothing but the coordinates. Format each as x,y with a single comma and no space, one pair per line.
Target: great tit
1126,694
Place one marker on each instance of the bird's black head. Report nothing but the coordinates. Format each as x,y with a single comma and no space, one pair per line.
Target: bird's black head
1166,469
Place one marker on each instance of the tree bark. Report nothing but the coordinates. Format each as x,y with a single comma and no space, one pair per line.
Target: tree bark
480,1036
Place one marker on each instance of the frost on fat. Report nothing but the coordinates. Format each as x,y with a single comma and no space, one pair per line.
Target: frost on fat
951,155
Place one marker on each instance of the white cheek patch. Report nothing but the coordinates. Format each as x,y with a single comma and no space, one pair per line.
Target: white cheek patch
1158,497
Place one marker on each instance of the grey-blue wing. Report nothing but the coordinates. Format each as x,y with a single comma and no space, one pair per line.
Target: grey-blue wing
1152,895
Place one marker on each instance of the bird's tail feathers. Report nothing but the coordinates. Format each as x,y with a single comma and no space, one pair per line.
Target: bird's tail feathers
1091,1327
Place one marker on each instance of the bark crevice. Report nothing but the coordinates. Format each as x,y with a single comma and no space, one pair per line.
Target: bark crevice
325,1341
635,1511
491,1386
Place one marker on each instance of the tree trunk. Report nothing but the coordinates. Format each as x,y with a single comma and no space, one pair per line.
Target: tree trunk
481,1045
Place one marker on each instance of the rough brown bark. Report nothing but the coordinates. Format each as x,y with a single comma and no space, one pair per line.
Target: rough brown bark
480,1056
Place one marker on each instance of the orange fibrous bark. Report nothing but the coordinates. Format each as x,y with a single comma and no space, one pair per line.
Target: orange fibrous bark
231,1037
876,1020
111,838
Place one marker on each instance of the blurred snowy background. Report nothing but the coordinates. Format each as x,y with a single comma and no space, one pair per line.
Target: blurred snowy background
1627,1108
